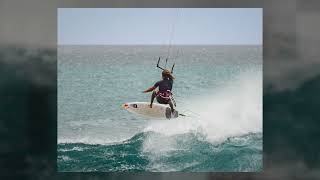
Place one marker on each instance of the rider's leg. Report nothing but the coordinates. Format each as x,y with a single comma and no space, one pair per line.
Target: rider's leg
171,105
174,101
152,98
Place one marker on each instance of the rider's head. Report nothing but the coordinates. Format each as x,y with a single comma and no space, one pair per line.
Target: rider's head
167,74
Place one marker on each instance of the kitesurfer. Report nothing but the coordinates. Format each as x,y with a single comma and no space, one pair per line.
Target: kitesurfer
164,94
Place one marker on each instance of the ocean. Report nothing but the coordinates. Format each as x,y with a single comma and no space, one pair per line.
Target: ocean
219,88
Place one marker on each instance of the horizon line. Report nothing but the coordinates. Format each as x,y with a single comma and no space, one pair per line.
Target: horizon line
152,44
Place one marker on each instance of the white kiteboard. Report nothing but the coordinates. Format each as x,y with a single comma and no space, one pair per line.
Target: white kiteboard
158,111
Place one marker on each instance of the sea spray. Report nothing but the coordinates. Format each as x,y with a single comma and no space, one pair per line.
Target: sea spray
233,110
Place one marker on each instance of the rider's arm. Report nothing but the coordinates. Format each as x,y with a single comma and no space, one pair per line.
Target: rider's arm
150,89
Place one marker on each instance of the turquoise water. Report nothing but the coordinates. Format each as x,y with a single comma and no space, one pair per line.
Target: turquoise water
218,87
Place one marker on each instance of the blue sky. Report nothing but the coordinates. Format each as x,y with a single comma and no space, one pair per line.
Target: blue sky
163,26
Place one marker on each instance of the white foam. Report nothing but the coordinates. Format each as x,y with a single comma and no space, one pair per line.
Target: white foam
65,158
234,110
73,149
91,140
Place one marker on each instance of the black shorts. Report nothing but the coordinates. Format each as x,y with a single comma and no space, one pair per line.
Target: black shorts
162,101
